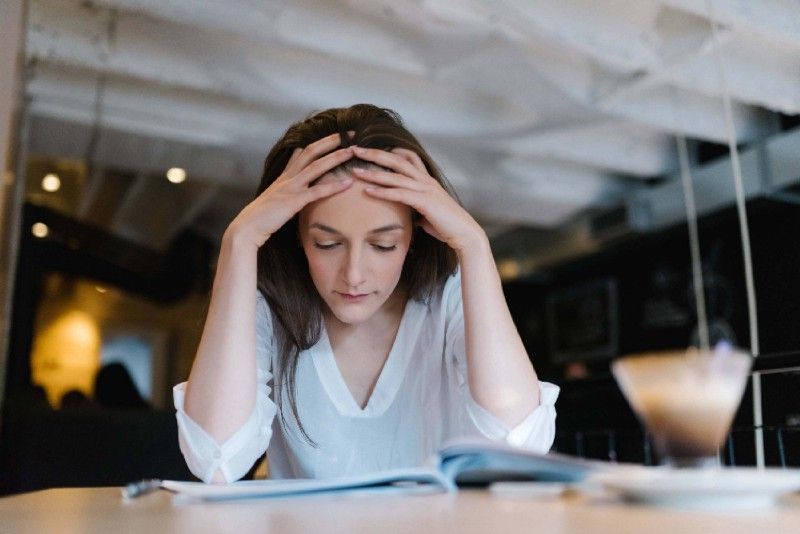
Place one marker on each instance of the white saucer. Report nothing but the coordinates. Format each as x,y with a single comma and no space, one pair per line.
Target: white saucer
724,488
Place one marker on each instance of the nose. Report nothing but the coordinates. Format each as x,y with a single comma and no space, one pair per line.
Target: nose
354,269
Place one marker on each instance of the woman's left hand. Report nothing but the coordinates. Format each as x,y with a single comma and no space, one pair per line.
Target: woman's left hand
442,216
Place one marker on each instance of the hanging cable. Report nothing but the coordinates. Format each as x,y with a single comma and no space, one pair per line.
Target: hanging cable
691,220
744,233
99,94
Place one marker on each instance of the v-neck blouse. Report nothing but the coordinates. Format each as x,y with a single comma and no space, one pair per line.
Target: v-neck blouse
389,379
420,400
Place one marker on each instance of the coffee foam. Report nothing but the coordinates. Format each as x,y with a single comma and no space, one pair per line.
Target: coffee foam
688,420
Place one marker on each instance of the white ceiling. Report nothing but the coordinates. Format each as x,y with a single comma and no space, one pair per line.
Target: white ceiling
536,110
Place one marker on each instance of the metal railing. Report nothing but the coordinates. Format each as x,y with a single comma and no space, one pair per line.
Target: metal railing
781,444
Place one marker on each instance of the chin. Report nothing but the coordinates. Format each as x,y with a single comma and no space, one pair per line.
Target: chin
351,317
353,314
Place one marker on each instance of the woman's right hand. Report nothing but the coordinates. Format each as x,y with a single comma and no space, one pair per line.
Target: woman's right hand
290,192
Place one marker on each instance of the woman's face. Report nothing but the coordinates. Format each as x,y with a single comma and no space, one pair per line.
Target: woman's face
355,245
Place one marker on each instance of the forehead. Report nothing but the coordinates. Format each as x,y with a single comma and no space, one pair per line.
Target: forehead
352,211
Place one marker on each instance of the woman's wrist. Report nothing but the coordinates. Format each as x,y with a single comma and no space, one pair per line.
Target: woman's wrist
236,237
475,243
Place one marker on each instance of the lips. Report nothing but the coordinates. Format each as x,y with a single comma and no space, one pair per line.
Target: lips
353,299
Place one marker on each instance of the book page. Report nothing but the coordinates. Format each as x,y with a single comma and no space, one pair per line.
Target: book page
413,480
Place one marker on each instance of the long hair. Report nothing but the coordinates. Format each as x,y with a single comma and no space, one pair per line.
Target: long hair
283,275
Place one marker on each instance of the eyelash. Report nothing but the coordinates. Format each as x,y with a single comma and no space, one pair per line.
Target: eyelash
380,248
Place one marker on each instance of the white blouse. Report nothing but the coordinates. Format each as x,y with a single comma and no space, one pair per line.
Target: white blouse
420,400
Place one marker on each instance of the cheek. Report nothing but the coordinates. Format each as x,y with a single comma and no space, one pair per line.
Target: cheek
318,266
393,266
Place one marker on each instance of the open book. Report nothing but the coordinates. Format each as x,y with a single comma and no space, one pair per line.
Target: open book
458,463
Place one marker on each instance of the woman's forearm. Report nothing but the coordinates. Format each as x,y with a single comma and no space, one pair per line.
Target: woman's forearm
501,376
221,390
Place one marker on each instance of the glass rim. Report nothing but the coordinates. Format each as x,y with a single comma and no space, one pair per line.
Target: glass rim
675,354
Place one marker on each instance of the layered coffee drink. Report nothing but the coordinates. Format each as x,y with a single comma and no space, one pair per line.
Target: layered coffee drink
687,400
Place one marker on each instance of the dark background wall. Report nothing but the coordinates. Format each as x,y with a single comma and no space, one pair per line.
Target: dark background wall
655,310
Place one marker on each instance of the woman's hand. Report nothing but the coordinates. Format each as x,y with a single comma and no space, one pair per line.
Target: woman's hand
442,216
290,192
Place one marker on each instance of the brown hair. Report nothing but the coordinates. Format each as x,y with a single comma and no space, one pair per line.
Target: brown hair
283,275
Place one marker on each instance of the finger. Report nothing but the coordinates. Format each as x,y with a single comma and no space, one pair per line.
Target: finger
412,157
315,150
292,159
414,199
310,153
390,160
388,179
323,165
324,190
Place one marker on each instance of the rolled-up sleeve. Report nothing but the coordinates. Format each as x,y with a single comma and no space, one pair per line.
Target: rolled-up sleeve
239,452
536,432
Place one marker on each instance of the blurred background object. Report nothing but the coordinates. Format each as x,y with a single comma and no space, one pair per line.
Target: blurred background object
141,127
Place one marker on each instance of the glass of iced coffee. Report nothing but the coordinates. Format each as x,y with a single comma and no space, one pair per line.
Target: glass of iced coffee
685,399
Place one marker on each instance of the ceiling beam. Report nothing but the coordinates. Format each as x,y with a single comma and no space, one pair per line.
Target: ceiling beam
606,63
147,154
611,36
612,144
755,73
280,75
323,27
771,20
139,107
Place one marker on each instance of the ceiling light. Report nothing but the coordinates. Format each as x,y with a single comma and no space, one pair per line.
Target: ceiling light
509,269
39,229
51,183
176,175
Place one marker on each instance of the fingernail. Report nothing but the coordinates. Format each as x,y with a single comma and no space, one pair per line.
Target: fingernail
359,150
369,189
359,170
347,180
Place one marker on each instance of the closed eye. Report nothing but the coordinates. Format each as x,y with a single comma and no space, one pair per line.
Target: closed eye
378,247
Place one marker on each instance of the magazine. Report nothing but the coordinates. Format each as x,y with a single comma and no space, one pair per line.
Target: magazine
458,463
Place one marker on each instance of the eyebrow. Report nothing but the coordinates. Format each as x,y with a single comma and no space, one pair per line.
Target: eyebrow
387,228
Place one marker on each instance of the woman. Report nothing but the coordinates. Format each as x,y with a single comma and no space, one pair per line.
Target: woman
357,279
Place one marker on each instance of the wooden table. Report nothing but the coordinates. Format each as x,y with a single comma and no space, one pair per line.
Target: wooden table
91,510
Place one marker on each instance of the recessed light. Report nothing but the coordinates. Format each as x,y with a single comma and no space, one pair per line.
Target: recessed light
176,175
509,269
51,182
40,229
